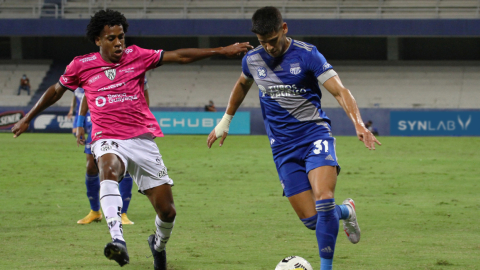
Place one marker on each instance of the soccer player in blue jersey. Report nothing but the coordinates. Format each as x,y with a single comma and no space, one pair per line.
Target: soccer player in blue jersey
288,73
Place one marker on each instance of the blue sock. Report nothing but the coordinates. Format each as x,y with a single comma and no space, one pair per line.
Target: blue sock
93,189
327,231
125,187
310,222
342,211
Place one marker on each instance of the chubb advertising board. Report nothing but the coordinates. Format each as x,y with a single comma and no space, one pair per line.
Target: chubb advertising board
435,123
200,122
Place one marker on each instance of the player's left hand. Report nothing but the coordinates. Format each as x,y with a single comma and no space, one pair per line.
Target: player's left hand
20,127
80,136
367,137
236,49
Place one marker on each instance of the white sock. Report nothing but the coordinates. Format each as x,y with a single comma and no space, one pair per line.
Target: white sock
164,230
112,204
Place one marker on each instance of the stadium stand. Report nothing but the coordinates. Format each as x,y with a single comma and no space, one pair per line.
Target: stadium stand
10,74
443,85
243,9
373,85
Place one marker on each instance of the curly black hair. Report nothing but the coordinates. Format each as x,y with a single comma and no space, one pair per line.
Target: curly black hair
266,20
105,17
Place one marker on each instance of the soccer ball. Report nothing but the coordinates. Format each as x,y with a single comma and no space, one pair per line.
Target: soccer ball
293,263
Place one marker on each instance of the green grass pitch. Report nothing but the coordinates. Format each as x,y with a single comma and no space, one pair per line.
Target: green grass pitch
418,203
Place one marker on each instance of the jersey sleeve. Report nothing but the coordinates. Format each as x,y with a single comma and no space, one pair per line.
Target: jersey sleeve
245,69
319,66
151,58
70,79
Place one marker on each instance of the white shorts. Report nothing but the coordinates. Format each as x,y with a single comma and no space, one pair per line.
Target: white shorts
141,158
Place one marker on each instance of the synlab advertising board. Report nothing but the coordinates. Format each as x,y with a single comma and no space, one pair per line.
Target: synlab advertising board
435,123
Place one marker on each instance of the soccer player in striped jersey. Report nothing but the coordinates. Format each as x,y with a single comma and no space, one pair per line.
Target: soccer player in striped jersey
288,74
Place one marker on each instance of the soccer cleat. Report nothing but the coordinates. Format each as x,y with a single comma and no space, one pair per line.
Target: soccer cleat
350,225
159,258
125,220
93,216
117,250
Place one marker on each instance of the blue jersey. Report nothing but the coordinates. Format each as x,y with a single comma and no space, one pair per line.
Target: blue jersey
289,92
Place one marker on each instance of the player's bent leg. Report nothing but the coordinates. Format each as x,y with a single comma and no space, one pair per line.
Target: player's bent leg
161,198
323,180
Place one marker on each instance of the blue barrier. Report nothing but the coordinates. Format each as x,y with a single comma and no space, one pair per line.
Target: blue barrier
435,123
200,122
396,122
239,27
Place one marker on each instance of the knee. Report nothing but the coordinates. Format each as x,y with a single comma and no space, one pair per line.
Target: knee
91,168
167,213
324,195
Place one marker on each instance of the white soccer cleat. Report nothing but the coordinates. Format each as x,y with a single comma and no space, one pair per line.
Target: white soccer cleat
350,225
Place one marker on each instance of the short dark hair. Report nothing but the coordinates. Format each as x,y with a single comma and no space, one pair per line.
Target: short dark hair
266,20
105,17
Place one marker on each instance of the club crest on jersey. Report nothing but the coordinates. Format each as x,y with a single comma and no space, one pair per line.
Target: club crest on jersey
295,68
111,73
262,72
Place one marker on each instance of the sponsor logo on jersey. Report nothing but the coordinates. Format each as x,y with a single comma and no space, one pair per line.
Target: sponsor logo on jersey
8,119
278,68
127,51
111,86
281,90
295,68
91,58
111,73
162,173
157,51
262,72
127,70
100,101
94,79
326,66
120,98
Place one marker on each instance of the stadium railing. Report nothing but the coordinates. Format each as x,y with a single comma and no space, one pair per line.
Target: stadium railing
234,9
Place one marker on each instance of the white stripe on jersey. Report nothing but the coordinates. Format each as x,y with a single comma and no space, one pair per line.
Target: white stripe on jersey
303,43
303,47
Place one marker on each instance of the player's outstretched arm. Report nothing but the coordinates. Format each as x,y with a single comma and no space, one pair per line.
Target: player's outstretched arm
347,101
185,56
237,96
52,95
83,109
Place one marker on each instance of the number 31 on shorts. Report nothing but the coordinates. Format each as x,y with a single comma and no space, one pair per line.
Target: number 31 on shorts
319,148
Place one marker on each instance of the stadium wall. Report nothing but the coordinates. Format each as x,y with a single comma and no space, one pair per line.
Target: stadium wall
396,122
241,27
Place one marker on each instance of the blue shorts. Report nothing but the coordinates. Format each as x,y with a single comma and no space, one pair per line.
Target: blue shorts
295,161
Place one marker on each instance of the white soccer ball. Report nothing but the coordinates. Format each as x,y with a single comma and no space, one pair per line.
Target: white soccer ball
293,263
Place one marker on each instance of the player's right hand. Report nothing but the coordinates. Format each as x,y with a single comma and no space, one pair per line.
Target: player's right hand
80,136
236,49
221,130
20,127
